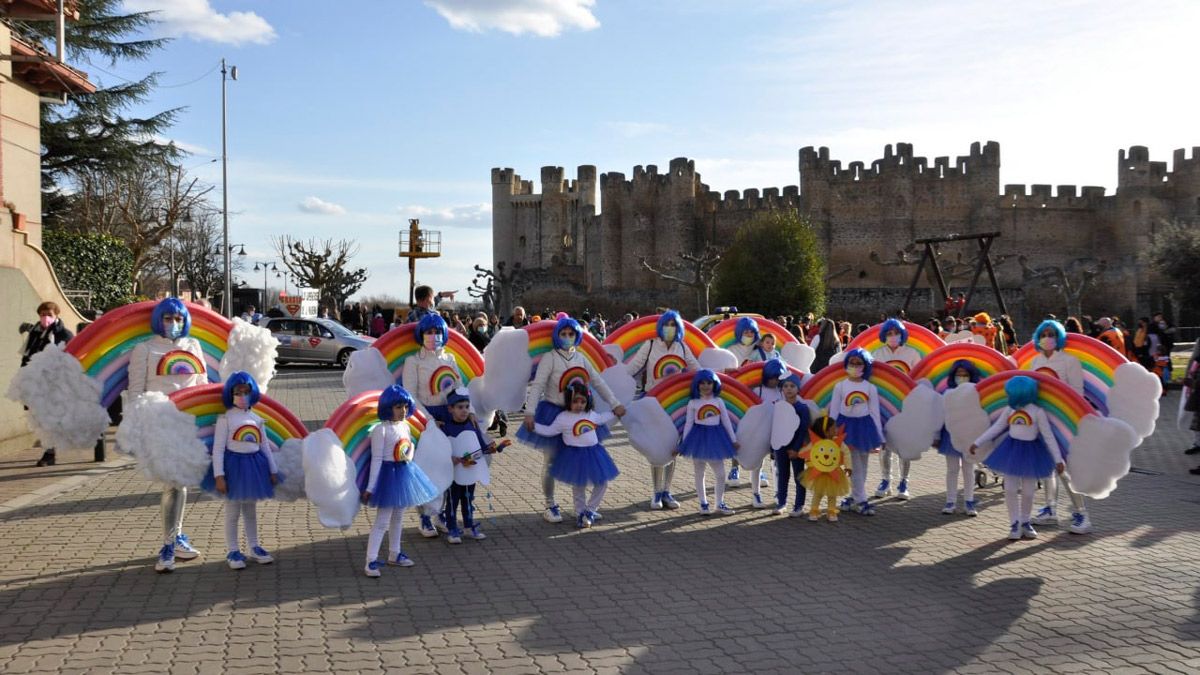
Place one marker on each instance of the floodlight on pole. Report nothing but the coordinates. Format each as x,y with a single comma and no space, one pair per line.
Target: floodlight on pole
227,301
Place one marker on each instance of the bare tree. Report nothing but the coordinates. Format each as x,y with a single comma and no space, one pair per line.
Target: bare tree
324,265
506,285
694,271
1072,281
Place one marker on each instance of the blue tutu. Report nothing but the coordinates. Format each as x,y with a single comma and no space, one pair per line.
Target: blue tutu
247,477
707,442
946,446
1026,459
861,434
589,465
401,485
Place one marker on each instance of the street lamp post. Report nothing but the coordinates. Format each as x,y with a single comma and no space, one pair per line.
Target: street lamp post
266,269
225,193
286,274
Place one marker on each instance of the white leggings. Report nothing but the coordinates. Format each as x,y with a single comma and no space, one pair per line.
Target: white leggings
718,469
585,504
885,464
1050,487
858,475
954,466
386,518
1020,507
248,511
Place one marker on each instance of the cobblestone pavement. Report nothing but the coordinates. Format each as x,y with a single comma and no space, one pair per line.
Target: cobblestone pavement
907,591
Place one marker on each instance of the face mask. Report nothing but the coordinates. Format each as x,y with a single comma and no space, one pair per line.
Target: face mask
893,341
46,321
175,331
669,334
430,341
748,339
1048,344
963,379
854,371
241,401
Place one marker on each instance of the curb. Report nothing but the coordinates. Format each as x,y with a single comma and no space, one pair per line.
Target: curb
46,492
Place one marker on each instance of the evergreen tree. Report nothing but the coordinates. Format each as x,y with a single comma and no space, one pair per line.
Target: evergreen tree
774,266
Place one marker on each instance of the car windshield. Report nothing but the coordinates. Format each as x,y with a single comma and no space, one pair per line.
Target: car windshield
337,328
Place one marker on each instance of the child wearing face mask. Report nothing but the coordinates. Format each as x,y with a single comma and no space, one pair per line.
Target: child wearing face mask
855,407
962,373
582,461
243,467
708,438
896,353
745,349
49,330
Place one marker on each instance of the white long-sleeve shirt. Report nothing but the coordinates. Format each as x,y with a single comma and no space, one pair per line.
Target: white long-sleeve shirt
843,402
418,376
390,441
578,430
151,362
745,353
1023,424
1061,364
768,394
903,354
652,353
243,432
548,380
699,412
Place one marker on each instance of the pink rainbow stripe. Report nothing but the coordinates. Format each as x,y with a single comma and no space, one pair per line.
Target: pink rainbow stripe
204,403
935,367
892,384
398,344
1099,361
920,338
751,374
540,342
674,393
352,423
631,336
722,333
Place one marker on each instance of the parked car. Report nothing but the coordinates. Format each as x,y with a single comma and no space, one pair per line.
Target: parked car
315,340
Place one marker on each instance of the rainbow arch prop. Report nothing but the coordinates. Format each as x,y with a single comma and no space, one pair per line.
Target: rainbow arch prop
1064,408
398,344
541,336
674,392
631,336
722,333
1099,363
751,374
204,403
103,346
352,423
935,366
893,385
920,338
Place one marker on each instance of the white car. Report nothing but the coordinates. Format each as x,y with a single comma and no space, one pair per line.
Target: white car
315,340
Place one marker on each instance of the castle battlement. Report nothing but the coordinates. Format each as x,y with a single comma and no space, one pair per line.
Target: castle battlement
750,199
681,172
815,164
507,178
1040,196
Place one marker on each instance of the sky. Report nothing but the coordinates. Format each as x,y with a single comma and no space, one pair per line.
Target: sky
345,124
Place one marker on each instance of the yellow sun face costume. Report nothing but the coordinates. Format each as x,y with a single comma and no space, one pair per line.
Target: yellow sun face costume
825,472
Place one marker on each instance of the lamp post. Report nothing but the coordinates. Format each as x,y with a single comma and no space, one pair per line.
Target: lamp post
226,252
263,265
232,71
286,274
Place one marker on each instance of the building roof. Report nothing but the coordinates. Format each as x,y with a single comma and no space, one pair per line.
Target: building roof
40,70
34,9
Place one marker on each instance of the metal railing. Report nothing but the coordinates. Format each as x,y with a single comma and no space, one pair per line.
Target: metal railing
81,299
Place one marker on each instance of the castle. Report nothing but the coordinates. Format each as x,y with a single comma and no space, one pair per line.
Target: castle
866,217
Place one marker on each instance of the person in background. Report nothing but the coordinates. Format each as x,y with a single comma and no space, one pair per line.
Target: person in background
478,335
49,330
518,318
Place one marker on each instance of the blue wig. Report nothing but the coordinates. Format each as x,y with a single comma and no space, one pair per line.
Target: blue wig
670,317
390,398
1021,391
239,378
866,359
170,306
745,323
963,364
773,369
794,378
703,375
432,322
890,325
1059,331
566,322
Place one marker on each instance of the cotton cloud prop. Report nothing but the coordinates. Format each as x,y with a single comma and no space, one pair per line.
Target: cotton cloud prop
621,383
1099,455
754,434
64,403
651,430
250,349
433,456
965,419
911,431
290,460
366,371
164,440
718,359
329,479
1133,398
614,351
507,374
798,355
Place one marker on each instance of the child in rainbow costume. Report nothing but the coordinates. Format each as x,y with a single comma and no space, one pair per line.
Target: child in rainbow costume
243,467
896,353
854,406
708,438
962,372
471,459
1028,452
582,461
746,349
788,459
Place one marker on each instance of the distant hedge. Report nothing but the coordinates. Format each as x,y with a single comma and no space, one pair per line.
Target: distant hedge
98,263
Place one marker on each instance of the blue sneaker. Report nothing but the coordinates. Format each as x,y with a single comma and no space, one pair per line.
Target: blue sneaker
1046,516
723,509
1080,523
582,522
763,479
261,556
970,508
236,560
902,489
846,505
476,533
372,569
552,514
440,523
656,502
401,560
166,559
757,502
884,489
184,549
454,536
669,501
1014,532
734,475
595,516
705,510
1027,531
427,529
948,509
866,509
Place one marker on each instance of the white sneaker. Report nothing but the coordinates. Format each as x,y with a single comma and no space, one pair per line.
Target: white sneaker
757,502
372,569
552,514
669,501
969,508
1080,523
724,509
426,528
884,489
814,517
763,481
796,513
261,556
948,509
780,510
454,536
1014,532
656,502
902,490
184,549
236,560
705,509
166,559
1046,516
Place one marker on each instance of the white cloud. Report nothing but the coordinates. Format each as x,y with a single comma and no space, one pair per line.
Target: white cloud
544,18
465,215
198,20
190,148
320,206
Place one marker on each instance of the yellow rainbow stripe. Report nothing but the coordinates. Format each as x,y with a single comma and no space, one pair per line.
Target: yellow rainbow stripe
674,392
582,427
442,378
936,366
1062,405
179,362
247,433
723,333
669,365
920,338
352,423
398,344
631,336
573,374
204,403
1099,363
892,384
